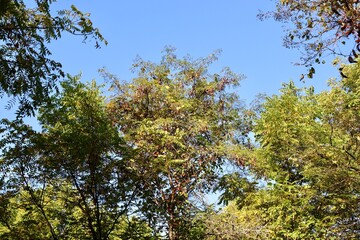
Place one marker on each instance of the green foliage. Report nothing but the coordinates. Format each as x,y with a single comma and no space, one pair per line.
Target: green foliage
21,219
78,148
25,220
134,229
309,152
232,224
180,122
234,186
319,27
27,74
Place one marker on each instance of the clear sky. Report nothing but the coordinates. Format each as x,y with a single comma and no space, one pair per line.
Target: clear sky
196,27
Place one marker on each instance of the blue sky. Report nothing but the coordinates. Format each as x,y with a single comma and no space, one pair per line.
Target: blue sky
138,27
144,27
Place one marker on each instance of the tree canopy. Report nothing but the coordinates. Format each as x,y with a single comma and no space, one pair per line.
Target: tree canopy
138,161
27,73
77,158
309,156
319,28
179,120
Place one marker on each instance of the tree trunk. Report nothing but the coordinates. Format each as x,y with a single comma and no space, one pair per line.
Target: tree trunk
172,233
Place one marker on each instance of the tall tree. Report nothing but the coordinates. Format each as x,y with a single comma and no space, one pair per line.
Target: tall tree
78,147
320,27
180,120
310,156
27,73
